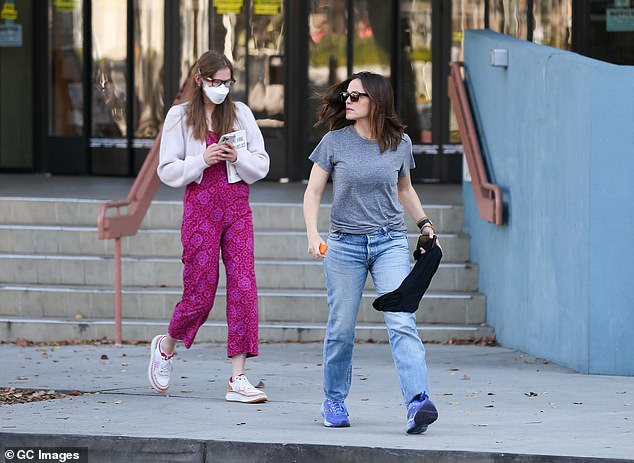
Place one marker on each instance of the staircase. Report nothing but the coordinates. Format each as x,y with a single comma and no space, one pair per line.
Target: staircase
56,277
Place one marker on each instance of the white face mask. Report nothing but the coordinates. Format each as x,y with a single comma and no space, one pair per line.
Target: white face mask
216,94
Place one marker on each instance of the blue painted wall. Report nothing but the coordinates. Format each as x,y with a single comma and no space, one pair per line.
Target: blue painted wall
557,134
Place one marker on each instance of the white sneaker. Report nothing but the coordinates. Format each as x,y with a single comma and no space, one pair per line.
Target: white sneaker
160,366
241,390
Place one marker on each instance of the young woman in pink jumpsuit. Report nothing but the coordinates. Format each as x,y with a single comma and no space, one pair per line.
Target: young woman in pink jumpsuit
217,220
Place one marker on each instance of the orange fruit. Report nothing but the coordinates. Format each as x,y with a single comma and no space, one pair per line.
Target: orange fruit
323,248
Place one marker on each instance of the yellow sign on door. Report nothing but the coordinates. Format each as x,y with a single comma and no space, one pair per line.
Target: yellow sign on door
267,6
228,6
66,5
9,12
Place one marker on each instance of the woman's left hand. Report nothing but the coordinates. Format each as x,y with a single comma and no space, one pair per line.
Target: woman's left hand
228,152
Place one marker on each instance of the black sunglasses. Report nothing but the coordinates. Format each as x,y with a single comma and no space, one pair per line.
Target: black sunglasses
354,96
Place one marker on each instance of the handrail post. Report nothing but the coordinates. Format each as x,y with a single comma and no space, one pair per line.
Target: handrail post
117,291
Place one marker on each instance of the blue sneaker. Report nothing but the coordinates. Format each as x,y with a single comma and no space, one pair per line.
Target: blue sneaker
421,412
335,414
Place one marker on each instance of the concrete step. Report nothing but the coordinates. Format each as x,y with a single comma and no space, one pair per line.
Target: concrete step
76,240
167,271
55,273
84,302
167,214
48,329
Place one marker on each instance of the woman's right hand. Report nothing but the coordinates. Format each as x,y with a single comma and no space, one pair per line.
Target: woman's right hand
216,153
313,247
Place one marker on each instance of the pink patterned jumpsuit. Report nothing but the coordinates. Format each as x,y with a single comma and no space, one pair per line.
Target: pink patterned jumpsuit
217,219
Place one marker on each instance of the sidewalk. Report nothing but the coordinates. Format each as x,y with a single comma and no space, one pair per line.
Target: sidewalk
495,404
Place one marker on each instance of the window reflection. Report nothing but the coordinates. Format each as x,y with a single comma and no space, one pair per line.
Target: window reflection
266,67
327,59
466,14
109,68
66,103
194,40
148,68
329,62
509,17
416,70
372,39
553,23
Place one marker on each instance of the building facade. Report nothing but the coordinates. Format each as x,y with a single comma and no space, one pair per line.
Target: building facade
85,84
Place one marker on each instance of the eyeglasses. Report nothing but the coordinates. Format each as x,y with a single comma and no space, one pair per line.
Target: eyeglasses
219,82
354,96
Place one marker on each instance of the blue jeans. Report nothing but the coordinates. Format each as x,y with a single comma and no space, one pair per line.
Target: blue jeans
385,254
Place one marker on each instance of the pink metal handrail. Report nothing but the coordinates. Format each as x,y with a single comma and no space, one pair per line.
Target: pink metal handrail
488,195
115,223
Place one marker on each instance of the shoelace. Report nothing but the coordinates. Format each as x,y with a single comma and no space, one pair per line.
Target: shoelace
165,364
337,407
243,384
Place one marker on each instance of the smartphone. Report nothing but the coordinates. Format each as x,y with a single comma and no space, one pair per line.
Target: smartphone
225,138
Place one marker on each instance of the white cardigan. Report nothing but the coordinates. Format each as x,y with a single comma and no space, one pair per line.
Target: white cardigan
181,156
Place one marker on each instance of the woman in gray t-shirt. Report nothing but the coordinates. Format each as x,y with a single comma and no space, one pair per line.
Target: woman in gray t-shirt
369,157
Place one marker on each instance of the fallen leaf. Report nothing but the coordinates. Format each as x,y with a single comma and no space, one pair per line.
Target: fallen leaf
466,378
260,384
531,394
365,399
104,357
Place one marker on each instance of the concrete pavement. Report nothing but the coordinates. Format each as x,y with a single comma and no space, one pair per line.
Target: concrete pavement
495,404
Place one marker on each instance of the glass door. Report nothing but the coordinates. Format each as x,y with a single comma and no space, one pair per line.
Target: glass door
109,83
65,70
251,34
611,31
334,53
127,91
416,91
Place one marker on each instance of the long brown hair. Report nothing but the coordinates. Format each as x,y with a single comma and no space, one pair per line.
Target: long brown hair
223,116
385,126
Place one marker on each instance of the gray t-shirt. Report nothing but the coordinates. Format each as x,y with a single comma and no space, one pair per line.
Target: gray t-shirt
365,193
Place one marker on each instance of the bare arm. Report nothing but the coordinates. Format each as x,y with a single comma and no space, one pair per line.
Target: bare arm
412,205
312,199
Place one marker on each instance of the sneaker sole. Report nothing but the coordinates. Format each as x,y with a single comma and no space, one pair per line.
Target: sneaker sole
235,397
422,421
155,386
328,424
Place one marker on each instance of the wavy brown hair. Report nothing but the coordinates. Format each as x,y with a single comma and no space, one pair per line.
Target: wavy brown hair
385,126
223,116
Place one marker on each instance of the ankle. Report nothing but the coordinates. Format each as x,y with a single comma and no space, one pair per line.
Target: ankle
166,351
